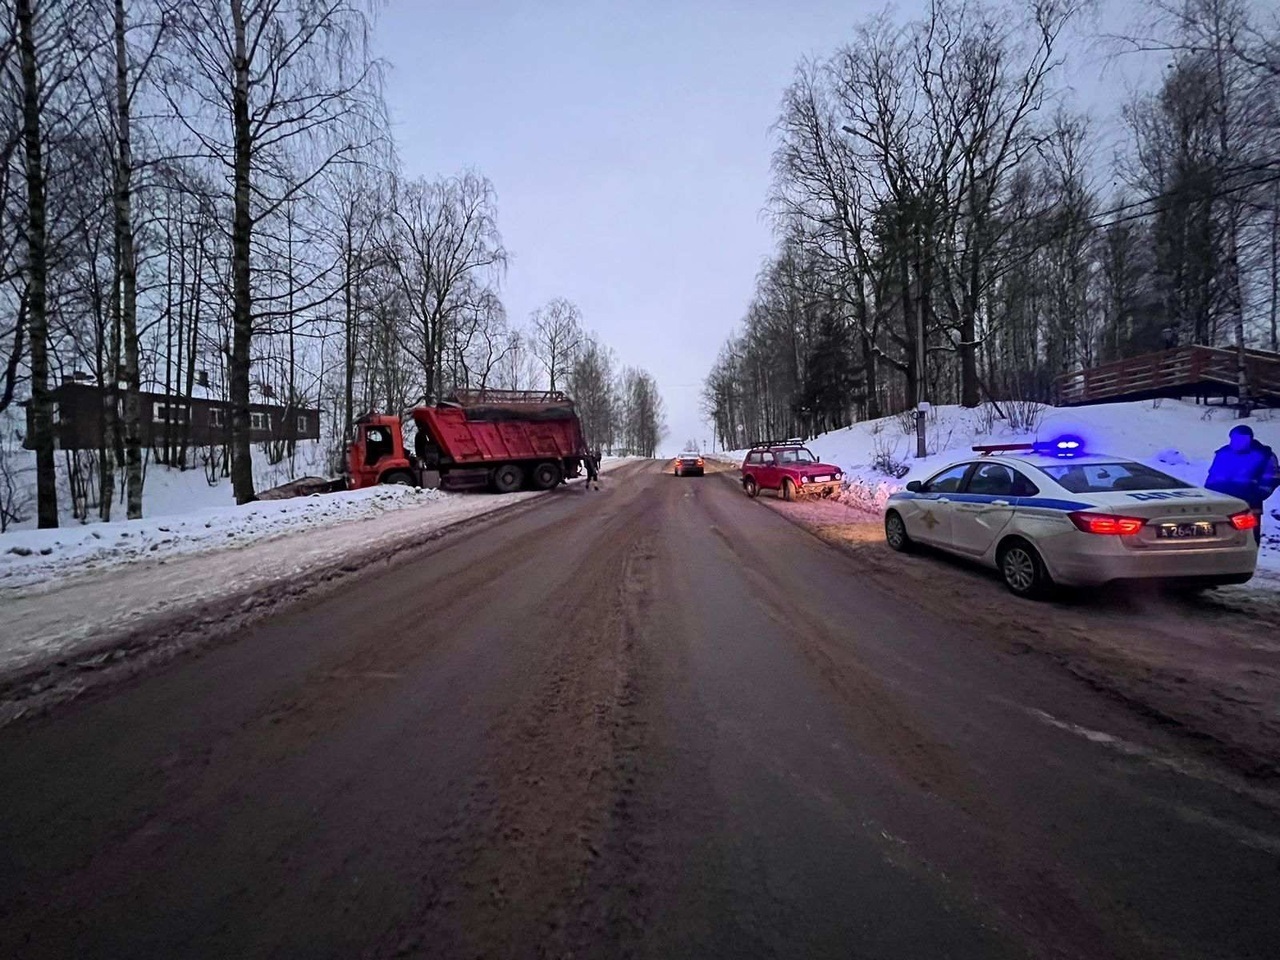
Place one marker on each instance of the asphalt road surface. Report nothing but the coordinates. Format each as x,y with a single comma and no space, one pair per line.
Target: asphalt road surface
658,720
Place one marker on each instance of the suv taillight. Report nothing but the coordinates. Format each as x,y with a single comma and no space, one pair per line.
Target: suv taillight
1106,524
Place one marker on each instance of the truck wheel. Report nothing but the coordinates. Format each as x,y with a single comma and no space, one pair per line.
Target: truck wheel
546,475
398,478
788,489
508,478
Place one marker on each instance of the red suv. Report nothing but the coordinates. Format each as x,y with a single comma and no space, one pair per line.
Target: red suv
789,468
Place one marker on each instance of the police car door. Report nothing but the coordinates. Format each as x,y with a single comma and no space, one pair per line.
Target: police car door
931,515
985,507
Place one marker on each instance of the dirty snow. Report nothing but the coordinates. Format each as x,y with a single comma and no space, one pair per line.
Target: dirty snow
31,556
63,590
59,614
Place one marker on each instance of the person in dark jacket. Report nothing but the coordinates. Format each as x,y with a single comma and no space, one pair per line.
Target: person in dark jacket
1245,468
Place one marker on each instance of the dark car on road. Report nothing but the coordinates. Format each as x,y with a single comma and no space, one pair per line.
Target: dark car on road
688,465
789,468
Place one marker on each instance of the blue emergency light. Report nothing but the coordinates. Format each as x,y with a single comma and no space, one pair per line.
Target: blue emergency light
1064,447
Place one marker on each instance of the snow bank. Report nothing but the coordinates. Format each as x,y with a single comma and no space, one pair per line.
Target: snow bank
1174,436
183,521
28,556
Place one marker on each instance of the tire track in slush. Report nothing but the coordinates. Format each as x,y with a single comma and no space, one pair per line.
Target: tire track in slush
536,851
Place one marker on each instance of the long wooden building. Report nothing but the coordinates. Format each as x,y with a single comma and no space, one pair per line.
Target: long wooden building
79,420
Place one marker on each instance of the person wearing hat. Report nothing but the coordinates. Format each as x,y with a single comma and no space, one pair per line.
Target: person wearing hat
1245,468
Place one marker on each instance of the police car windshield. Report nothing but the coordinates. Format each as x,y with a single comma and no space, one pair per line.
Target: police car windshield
796,456
1109,477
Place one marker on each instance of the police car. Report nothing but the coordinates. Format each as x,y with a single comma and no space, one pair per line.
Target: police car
1051,513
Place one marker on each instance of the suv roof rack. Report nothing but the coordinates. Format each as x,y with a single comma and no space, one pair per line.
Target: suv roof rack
793,442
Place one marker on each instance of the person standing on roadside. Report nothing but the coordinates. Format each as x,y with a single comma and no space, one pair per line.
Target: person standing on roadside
1245,468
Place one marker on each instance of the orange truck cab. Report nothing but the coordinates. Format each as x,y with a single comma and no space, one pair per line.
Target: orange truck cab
377,454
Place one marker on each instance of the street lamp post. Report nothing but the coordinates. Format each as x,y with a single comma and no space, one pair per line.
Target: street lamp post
922,405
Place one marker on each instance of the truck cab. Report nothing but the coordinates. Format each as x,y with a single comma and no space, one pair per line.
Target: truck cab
377,455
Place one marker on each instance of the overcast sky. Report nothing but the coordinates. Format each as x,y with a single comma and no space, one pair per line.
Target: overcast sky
629,146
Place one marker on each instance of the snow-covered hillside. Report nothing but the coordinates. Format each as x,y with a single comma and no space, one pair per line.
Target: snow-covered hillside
1174,436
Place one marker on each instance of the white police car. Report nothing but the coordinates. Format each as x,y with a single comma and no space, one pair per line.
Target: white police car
1049,513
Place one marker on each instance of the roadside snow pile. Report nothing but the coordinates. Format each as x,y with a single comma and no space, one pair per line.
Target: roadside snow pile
28,556
1179,438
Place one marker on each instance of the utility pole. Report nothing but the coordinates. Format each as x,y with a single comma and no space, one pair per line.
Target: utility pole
922,405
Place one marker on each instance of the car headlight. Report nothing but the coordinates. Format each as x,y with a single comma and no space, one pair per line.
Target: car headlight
805,478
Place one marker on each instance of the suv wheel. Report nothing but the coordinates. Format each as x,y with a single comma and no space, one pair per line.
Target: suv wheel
788,490
750,487
1023,571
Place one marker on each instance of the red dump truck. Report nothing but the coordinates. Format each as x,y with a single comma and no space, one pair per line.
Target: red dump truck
503,439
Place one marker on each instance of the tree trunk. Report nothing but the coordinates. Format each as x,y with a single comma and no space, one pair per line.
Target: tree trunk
109,380
193,329
241,241
38,271
128,267
166,448
1275,272
349,298
969,395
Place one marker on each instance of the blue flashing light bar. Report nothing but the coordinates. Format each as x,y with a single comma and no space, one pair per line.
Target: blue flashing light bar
1064,447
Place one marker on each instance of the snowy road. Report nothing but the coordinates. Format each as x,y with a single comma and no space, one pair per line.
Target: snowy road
661,721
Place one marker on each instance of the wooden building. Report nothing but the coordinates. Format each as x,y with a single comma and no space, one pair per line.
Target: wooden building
79,422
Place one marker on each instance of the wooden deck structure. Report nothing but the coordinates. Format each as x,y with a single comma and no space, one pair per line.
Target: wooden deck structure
1181,372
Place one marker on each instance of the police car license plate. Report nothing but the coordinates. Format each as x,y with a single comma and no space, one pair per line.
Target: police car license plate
1184,531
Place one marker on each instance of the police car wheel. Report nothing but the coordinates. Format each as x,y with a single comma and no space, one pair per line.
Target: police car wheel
1023,570
895,533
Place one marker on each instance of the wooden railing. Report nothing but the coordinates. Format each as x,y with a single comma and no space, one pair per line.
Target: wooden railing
1161,374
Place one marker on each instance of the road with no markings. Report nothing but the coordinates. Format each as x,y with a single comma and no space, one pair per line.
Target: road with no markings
658,720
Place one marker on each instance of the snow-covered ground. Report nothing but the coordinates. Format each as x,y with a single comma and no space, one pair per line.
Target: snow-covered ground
166,491
1174,436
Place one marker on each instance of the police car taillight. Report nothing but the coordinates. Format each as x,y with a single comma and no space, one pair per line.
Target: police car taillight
1244,521
1106,524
